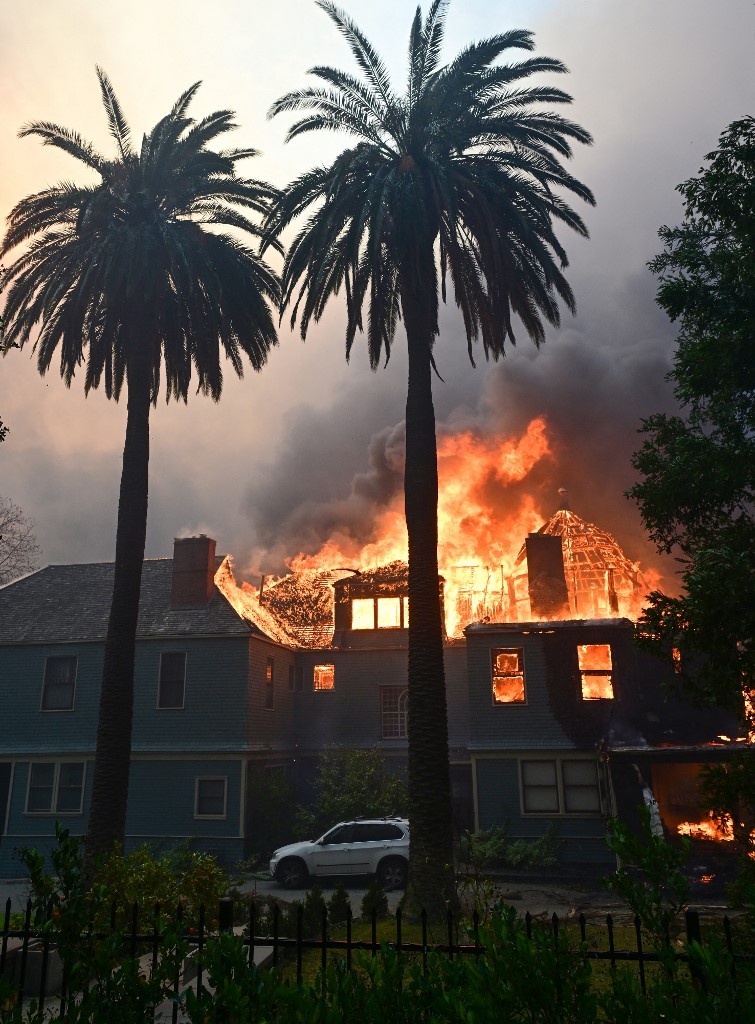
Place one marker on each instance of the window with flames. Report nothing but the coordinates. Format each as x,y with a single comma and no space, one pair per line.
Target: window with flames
508,675
596,670
324,677
380,613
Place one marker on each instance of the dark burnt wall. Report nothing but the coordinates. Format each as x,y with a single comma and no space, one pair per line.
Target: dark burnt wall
587,721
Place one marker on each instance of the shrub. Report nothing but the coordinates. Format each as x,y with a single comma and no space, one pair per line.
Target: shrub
339,905
374,899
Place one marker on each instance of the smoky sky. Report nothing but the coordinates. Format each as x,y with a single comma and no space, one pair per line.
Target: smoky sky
311,448
593,382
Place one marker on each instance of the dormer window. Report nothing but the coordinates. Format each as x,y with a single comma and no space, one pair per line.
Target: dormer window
595,669
380,612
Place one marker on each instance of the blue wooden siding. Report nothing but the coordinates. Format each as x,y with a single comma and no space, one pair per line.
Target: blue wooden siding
160,811
213,717
582,839
26,729
36,830
499,726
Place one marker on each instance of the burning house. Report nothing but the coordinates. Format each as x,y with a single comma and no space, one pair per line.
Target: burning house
556,718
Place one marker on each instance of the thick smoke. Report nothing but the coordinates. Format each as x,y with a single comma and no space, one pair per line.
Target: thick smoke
593,382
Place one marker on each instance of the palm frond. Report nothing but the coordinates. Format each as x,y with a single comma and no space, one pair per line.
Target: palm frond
119,128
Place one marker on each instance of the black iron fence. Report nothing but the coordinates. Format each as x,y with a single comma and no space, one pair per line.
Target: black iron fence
29,959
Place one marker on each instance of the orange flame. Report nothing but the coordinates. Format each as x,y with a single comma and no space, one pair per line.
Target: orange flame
720,830
478,545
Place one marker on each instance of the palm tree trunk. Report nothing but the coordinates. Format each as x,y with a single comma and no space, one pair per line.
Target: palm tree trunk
107,814
431,875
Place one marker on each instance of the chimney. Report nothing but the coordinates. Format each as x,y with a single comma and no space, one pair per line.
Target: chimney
545,571
193,572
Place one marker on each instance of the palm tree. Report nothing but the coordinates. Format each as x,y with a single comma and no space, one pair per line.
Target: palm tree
136,275
460,176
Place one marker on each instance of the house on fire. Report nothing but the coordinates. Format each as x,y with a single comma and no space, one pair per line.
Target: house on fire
555,717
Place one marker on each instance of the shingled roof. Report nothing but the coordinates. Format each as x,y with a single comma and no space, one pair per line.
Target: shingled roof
72,602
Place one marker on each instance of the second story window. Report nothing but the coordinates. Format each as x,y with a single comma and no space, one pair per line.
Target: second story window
380,613
393,704
170,691
270,684
508,675
59,685
595,671
324,677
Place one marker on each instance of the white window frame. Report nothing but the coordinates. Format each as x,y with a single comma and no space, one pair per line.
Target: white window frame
269,684
172,707
403,600
561,787
54,657
403,699
211,778
507,703
55,789
324,689
586,673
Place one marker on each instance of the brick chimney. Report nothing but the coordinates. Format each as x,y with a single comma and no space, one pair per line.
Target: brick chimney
193,571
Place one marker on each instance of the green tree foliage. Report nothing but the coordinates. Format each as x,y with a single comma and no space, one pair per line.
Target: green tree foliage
698,468
140,277
353,784
461,177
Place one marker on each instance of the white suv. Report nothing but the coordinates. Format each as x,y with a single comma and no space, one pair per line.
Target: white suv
365,846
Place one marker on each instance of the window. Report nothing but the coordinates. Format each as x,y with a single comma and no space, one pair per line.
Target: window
393,705
376,832
324,677
270,684
568,786
581,793
676,658
380,613
339,834
508,675
170,692
210,797
59,685
296,678
595,671
55,787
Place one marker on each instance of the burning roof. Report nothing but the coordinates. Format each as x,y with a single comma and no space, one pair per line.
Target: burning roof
600,579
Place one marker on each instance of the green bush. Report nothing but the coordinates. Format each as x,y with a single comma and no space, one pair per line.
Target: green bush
339,905
374,899
494,848
352,784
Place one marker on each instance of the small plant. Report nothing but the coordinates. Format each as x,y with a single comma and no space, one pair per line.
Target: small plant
652,881
314,906
494,848
375,900
339,905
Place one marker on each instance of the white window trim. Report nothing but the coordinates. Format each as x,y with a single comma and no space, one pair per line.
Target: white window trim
269,663
401,691
509,703
560,813
324,689
53,711
182,705
211,778
56,779
403,600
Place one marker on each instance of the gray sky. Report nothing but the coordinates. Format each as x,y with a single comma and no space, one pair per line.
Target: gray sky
296,453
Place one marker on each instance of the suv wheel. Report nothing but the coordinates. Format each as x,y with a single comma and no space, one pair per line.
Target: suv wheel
392,873
292,873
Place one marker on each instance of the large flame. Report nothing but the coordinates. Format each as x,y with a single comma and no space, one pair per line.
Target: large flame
482,524
720,830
